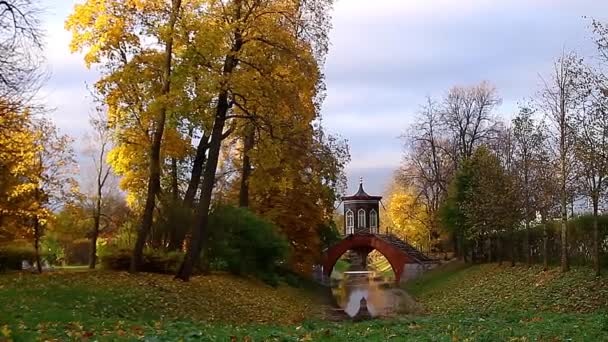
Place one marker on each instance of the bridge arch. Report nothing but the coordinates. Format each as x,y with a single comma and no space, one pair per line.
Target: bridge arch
396,257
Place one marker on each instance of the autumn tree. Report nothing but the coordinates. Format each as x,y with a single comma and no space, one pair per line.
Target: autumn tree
53,175
18,151
407,216
115,35
468,117
528,143
428,167
99,146
21,56
481,202
558,99
291,33
591,143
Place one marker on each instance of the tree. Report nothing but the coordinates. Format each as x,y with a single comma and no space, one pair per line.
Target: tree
99,145
558,99
113,34
408,217
250,83
528,143
18,151
468,117
53,174
481,202
591,143
428,167
20,54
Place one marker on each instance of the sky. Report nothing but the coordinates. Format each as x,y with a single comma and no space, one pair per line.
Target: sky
386,57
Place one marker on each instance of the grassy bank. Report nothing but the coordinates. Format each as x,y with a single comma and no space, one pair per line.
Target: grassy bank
479,303
104,304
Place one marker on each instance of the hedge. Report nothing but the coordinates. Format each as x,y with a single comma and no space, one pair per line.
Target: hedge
153,261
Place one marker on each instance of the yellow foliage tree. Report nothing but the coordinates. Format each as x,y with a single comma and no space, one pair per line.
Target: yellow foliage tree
407,217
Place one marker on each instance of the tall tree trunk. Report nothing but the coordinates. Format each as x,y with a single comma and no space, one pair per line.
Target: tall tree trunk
545,243
37,234
199,235
527,246
456,246
174,181
596,238
463,249
512,248
96,217
490,245
157,137
564,235
563,193
94,236
499,249
197,171
249,141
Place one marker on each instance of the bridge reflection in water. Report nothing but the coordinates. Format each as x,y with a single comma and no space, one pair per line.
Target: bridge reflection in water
355,285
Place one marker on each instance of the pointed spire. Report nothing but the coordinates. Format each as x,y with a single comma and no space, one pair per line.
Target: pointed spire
361,192
361,195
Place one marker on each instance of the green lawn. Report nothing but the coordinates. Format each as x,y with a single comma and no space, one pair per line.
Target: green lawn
475,303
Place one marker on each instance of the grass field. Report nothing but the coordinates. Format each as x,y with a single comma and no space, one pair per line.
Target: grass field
475,303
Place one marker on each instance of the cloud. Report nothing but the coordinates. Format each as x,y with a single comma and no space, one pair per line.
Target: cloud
385,57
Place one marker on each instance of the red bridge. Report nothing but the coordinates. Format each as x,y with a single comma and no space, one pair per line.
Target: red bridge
361,211
399,254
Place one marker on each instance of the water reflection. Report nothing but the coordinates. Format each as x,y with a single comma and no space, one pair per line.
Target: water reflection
356,285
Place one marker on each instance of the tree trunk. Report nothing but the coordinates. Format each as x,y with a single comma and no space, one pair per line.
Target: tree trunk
455,244
545,244
564,237
154,177
199,235
197,171
94,236
490,249
527,246
37,235
96,223
174,181
249,141
596,238
499,250
200,230
512,249
463,249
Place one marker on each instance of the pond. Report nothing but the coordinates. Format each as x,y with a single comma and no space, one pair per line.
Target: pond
383,298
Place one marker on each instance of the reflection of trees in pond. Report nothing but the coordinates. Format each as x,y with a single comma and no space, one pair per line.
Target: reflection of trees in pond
383,299
357,285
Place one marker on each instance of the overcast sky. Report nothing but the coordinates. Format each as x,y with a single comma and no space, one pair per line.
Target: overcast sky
386,56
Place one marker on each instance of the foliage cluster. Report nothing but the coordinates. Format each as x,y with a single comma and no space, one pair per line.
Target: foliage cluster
12,256
154,261
242,243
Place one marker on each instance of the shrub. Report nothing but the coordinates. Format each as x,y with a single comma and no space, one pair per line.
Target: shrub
154,261
12,256
245,243
54,250
77,252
